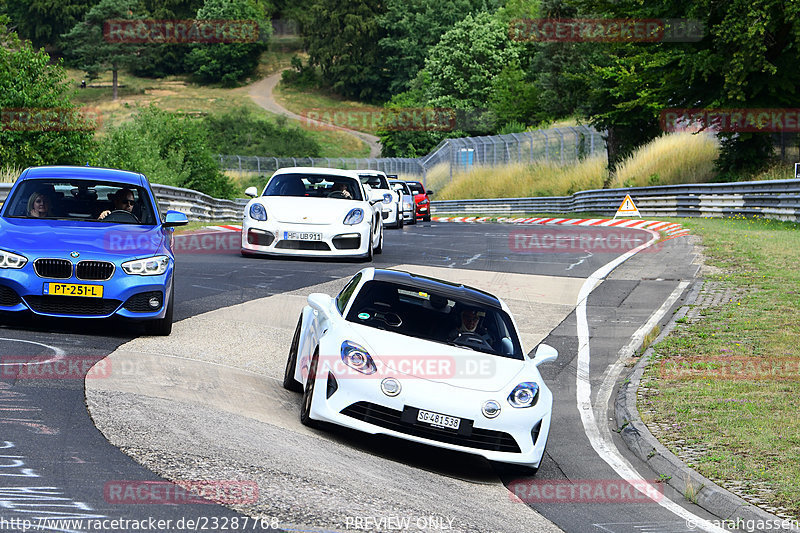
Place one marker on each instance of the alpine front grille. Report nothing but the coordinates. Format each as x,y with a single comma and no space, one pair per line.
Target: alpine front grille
140,303
53,268
8,297
94,270
72,305
403,422
303,245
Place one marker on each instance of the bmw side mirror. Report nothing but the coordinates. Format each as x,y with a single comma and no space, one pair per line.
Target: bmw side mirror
544,354
175,218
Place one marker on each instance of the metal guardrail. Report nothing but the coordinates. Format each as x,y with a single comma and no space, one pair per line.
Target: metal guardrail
196,205
778,199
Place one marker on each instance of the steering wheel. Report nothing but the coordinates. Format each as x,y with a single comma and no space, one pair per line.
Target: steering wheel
338,194
120,215
471,340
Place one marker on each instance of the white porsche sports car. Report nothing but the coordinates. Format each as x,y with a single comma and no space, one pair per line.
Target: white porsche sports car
307,211
423,360
391,200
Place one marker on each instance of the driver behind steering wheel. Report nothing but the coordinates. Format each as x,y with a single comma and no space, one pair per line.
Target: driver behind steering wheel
470,324
123,201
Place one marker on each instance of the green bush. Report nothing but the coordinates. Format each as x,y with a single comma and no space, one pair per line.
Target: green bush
242,132
168,149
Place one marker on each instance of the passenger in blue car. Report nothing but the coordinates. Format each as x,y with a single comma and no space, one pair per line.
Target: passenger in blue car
38,205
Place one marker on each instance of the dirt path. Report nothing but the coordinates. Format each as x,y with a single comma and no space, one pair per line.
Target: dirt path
261,93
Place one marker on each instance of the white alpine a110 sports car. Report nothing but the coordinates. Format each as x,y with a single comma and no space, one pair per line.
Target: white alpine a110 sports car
423,360
306,211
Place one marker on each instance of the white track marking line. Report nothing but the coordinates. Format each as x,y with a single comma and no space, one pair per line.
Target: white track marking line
59,353
604,446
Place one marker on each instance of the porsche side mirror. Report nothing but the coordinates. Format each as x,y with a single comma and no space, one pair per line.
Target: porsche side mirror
320,302
252,192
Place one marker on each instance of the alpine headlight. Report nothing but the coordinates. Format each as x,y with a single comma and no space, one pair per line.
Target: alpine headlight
257,212
150,266
357,358
12,260
407,206
355,216
524,395
387,198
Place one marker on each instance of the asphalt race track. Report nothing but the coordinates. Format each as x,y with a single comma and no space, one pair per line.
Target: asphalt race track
206,403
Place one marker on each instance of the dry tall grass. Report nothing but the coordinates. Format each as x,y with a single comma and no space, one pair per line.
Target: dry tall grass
671,159
519,181
9,174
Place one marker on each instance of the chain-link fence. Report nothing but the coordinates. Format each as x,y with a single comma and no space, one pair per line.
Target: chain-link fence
555,145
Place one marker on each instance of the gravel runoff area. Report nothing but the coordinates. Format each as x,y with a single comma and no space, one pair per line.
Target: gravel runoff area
207,403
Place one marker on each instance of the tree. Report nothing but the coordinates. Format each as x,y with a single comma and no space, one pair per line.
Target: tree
43,21
89,49
229,62
159,60
342,40
411,28
39,124
464,62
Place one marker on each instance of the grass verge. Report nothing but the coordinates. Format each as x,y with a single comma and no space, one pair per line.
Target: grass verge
725,386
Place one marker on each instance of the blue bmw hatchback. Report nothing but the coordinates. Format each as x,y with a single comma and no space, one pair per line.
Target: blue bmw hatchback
83,242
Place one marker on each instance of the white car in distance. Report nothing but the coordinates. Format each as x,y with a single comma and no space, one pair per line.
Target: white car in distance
406,200
423,360
390,199
313,212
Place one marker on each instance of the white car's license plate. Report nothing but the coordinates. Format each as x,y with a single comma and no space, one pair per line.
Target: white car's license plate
437,419
301,236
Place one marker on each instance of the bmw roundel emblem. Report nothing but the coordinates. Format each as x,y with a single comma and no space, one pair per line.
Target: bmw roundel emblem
74,254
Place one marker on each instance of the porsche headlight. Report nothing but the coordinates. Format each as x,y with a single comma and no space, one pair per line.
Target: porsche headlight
524,395
257,212
357,358
387,198
355,216
150,266
12,260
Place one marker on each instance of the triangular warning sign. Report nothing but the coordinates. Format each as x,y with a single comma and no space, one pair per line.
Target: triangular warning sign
627,208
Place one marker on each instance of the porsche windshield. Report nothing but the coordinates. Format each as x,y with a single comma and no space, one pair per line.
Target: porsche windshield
376,181
435,317
314,185
85,200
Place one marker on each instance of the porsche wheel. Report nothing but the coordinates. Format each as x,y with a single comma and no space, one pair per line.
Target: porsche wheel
308,393
289,383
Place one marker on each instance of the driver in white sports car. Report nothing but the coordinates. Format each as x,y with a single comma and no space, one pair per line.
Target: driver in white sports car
470,321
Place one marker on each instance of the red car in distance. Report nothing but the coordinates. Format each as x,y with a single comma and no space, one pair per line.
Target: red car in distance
421,199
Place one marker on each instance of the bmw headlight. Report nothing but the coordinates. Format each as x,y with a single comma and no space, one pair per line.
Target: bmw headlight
150,266
524,395
12,260
357,358
387,198
257,212
355,216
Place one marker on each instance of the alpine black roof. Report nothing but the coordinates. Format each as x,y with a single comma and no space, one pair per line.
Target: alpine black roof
455,291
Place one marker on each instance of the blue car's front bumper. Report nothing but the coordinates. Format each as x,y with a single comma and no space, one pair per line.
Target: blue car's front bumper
124,295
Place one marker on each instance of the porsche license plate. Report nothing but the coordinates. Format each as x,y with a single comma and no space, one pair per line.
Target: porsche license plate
73,289
436,419
301,236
